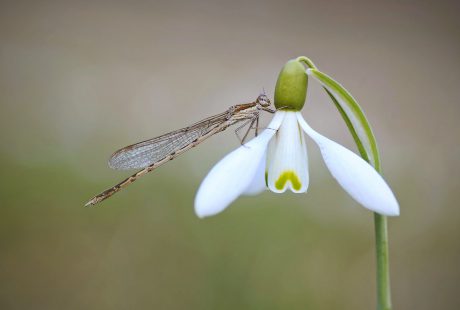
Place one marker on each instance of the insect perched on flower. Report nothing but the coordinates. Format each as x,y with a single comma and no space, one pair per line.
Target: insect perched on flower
277,158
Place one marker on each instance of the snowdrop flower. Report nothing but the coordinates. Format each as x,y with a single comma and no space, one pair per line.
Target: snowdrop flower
277,159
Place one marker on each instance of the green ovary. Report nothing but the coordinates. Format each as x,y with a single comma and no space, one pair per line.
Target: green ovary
291,86
288,176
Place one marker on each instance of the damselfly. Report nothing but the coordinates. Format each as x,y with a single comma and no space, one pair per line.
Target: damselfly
150,154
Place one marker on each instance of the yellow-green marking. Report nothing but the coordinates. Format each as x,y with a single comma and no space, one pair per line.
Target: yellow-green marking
288,176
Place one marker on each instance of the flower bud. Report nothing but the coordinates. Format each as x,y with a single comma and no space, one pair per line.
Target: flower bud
291,87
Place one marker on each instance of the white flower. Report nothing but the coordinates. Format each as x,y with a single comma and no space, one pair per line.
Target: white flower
277,159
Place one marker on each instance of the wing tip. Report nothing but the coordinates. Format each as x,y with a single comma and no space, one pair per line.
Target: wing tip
110,163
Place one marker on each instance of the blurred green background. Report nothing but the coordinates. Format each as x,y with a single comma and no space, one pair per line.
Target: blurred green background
81,79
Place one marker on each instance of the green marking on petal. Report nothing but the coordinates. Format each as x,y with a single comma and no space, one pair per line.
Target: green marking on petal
290,176
300,134
266,178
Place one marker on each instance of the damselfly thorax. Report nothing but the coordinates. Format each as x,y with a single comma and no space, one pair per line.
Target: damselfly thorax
150,154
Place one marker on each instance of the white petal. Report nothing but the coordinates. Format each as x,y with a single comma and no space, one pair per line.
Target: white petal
258,182
359,179
231,176
287,158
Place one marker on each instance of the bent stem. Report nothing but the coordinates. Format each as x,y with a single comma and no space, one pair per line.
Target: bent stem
381,237
381,245
364,138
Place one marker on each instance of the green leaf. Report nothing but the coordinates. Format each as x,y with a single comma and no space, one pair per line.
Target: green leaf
353,115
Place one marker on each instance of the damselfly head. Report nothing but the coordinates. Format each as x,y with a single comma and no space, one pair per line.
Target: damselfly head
263,101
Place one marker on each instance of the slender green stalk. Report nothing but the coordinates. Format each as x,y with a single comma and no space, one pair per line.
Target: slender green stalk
361,131
383,266
381,236
380,226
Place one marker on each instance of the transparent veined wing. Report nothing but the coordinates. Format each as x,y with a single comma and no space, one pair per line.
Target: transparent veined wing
141,155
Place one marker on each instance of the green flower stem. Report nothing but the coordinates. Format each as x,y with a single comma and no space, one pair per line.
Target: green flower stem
380,228
307,61
361,131
383,264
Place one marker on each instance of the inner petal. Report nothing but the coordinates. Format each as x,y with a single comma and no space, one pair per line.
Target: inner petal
287,160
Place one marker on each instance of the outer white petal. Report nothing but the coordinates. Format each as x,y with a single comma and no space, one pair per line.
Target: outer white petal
359,179
287,162
233,175
258,182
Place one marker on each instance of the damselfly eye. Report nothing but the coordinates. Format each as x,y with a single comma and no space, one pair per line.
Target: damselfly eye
263,100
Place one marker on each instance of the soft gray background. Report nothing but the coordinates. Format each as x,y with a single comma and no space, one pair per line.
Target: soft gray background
79,79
